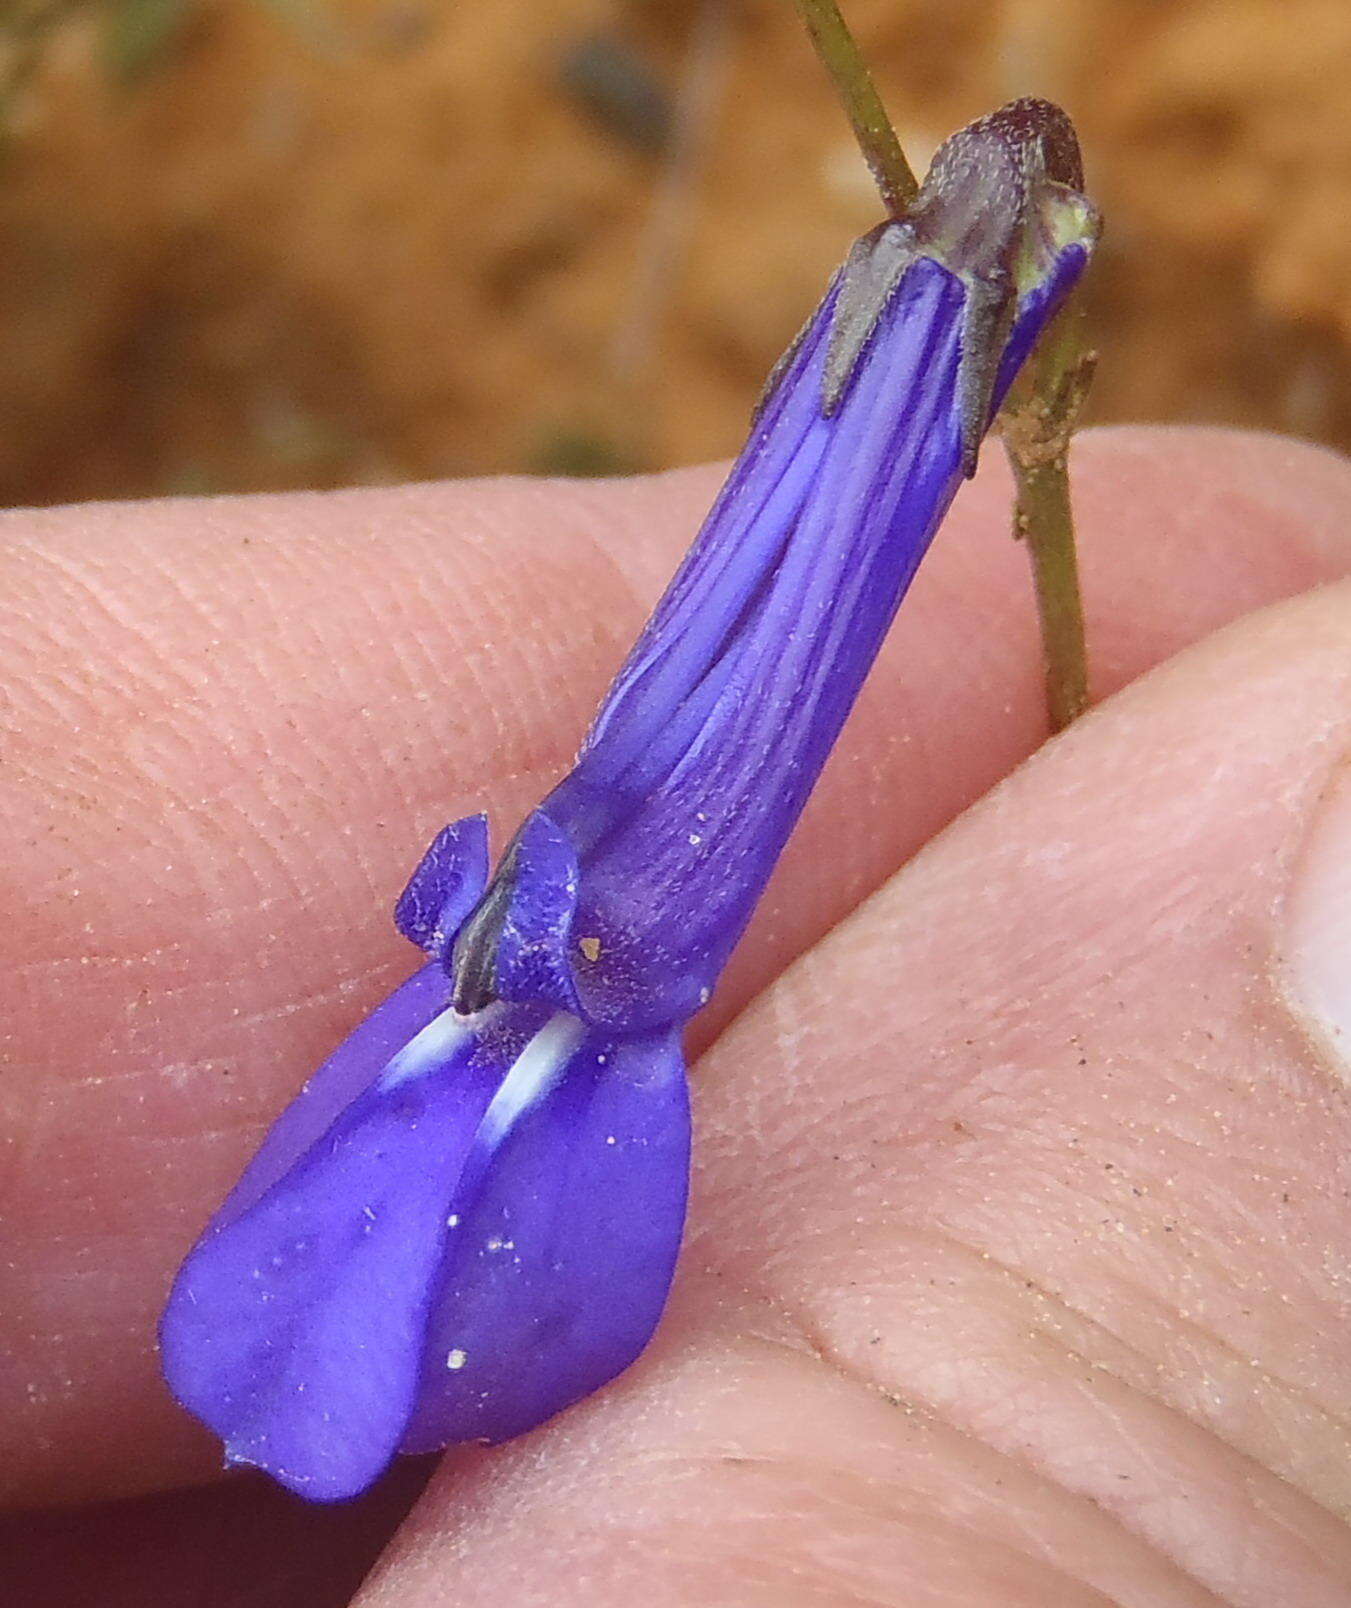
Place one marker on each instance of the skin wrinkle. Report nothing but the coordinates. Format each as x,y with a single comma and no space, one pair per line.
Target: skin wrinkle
1254,1462
829,1358
155,672
813,1344
1285,1452
985,1262
1091,1513
1255,1479
1174,1319
828,1573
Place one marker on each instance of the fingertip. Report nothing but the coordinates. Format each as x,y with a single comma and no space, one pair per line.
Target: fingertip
1185,529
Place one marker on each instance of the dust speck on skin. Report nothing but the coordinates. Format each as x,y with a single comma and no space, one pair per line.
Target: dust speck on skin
456,1359
590,948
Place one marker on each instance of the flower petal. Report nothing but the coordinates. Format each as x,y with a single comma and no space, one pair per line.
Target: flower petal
532,959
295,1328
387,1032
446,885
470,1217
716,730
517,944
564,1237
702,795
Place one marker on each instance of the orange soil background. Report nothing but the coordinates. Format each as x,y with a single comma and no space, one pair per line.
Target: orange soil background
373,240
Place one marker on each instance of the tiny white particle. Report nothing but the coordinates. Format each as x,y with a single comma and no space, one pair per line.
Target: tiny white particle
455,1360
609,1139
695,840
453,1221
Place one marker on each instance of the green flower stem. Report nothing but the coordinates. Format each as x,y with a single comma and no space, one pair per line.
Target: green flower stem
853,82
1039,417
1037,424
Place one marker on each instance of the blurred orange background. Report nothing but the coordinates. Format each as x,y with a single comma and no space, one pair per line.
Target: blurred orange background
254,244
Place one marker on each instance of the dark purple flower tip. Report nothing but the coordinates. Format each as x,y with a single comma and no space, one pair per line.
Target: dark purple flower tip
446,885
441,1263
999,208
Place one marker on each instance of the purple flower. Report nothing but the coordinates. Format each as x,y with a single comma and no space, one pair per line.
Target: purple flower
470,1216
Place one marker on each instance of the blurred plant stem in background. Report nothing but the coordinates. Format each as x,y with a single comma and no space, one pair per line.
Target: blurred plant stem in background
135,36
848,71
666,233
615,438
24,31
1039,418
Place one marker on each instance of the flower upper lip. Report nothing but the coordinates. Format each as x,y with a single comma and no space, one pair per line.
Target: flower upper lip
713,733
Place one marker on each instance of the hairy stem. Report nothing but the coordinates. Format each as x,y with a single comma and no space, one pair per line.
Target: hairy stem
853,83
1037,423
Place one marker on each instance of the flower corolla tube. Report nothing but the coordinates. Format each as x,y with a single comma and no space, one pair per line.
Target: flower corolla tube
469,1218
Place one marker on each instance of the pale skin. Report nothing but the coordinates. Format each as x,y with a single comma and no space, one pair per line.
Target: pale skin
1015,1265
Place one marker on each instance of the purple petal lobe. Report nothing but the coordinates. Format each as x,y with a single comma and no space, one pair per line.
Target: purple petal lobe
562,1237
533,954
446,886
501,1201
348,1072
296,1327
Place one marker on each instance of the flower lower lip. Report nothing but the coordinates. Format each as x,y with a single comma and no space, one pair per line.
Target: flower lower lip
484,1193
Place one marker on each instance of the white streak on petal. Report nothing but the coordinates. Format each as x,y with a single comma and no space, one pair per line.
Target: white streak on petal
442,1037
536,1069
